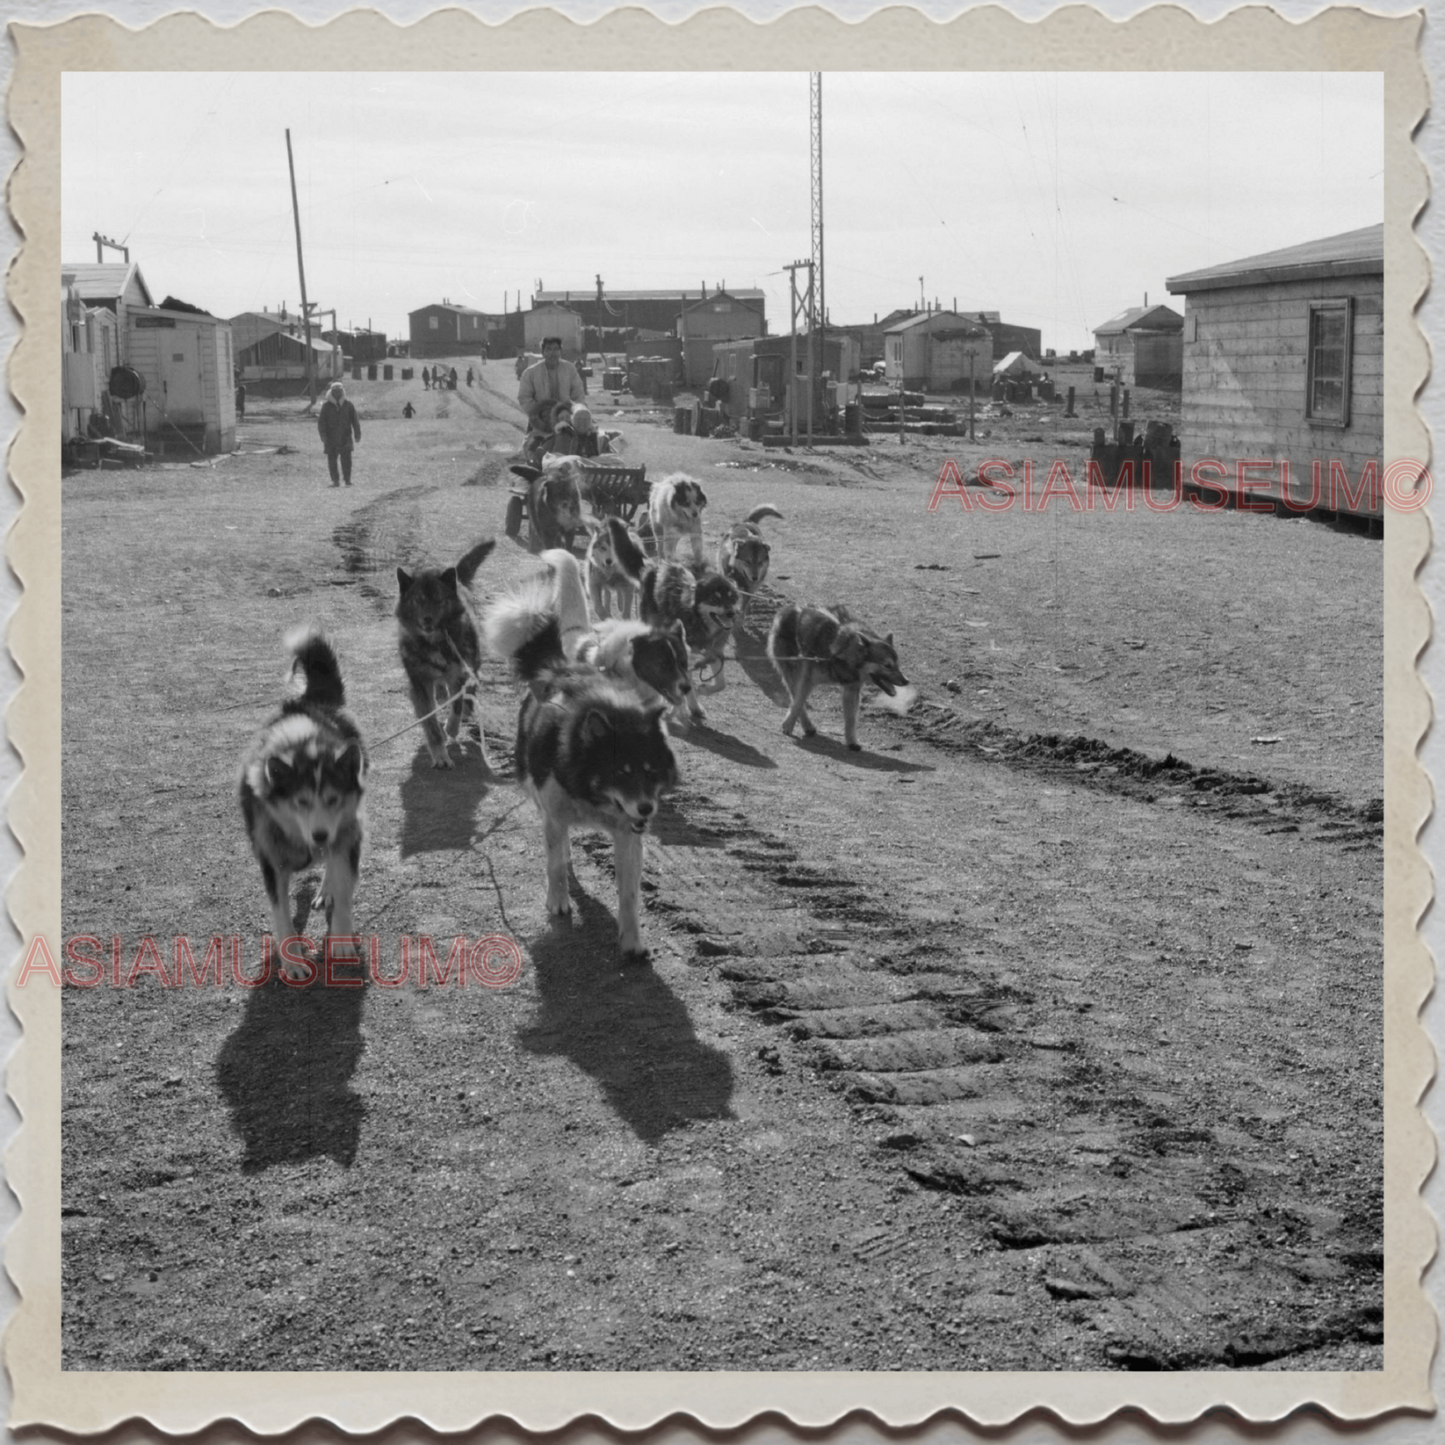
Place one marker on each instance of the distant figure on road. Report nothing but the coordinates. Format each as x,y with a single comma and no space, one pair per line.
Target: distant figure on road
469,376
339,428
452,379
240,401
425,379
551,380
408,411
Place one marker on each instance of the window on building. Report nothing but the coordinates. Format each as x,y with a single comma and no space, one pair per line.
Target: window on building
1327,386
433,321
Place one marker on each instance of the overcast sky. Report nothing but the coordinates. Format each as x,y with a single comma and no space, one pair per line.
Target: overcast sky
1057,199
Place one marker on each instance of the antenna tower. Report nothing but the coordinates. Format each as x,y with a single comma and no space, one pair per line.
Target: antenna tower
815,96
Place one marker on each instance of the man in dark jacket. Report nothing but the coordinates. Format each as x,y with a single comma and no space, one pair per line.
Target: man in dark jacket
339,427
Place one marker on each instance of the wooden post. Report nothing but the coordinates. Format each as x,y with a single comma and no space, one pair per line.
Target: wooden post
1125,411
970,387
301,268
1069,409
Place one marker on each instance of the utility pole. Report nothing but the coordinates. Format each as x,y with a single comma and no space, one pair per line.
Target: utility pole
801,304
816,106
301,267
101,242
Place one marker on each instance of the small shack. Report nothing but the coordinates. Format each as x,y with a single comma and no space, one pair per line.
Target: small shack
938,351
752,376
1143,345
553,319
189,400
1283,359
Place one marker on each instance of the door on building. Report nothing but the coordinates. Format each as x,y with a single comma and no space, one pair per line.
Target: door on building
180,368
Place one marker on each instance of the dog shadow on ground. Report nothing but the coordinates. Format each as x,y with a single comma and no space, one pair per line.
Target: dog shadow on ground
623,1026
439,805
837,749
726,746
285,1072
752,650
674,829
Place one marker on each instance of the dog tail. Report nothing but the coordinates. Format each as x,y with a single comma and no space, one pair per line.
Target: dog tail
766,510
573,619
513,620
630,557
467,567
311,652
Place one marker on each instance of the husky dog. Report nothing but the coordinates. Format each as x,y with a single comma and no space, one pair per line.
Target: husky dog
674,508
742,554
608,586
301,788
554,500
704,601
441,649
809,645
651,660
590,753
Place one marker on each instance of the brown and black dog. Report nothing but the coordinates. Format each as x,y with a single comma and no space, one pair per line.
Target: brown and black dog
554,501
702,599
810,645
742,553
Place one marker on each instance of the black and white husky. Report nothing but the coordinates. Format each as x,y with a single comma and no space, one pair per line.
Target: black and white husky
302,783
591,752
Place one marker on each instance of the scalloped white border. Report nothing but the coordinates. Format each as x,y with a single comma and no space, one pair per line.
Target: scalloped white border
1076,37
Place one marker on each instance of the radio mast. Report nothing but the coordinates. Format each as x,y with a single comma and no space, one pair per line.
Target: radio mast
815,87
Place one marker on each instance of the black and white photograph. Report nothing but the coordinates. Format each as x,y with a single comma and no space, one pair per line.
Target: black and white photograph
723,721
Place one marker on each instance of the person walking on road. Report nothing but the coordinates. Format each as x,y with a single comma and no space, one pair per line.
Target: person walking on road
339,428
425,379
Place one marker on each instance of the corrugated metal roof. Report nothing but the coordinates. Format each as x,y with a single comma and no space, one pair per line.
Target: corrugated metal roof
927,316
1147,318
719,296
103,280
447,306
1351,253
589,293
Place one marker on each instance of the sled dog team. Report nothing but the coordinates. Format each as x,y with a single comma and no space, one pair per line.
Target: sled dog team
592,745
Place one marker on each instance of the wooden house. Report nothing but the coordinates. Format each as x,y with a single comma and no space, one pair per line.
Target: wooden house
718,317
938,351
185,357
1284,359
248,327
89,350
1142,346
553,319
276,364
117,287
442,329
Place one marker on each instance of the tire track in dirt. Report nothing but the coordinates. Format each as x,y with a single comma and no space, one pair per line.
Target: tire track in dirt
1179,1240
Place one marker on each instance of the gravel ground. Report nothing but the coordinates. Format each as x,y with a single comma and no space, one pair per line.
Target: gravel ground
1045,1033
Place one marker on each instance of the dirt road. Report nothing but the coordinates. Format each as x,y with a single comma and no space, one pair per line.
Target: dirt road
1042,1034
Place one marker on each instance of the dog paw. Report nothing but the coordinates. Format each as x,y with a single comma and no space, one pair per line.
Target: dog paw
855,747
442,760
633,957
